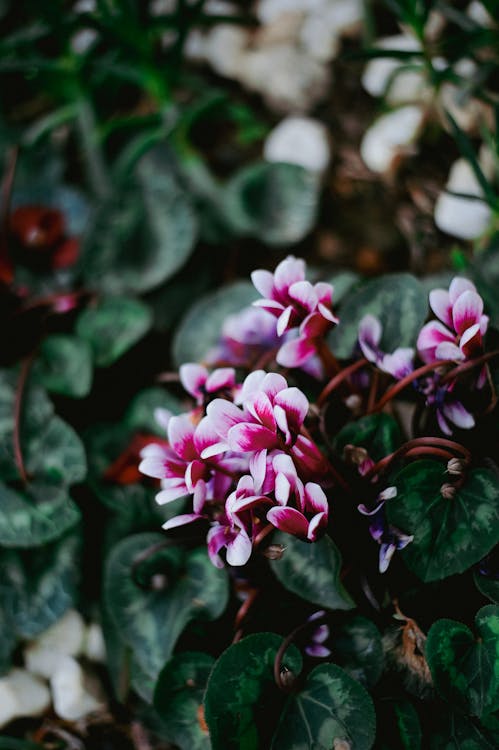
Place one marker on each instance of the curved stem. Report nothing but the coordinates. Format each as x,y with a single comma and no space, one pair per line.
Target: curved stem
6,267
469,365
331,364
339,378
18,403
432,445
401,384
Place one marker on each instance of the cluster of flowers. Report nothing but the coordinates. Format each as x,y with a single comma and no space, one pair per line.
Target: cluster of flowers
243,454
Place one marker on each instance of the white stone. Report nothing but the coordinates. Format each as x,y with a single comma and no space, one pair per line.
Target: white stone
288,79
344,16
66,635
223,49
32,694
319,39
95,646
269,10
389,136
71,697
465,218
380,76
42,661
479,13
299,140
9,703
83,40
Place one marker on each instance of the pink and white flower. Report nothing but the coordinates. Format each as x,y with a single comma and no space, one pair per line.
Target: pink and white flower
203,385
399,364
458,333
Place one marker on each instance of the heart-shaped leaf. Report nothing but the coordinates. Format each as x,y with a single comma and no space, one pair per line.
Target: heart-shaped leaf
178,699
450,535
465,668
144,234
40,514
57,453
113,326
200,330
275,202
458,732
140,414
357,647
242,700
399,727
330,709
38,586
151,602
64,365
379,434
487,586
312,571
397,300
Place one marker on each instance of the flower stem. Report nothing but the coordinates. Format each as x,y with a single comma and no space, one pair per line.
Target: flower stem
339,378
401,384
436,446
18,403
469,365
331,364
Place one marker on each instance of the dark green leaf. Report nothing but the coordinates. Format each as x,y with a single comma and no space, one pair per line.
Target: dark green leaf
113,326
178,699
487,586
149,620
38,586
11,743
450,535
41,514
144,235
8,642
379,434
399,726
343,282
241,687
357,648
311,570
397,300
64,365
458,732
277,203
140,414
200,330
330,709
56,453
465,669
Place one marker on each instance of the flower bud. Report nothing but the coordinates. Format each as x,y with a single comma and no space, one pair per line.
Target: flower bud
448,491
355,455
274,551
286,677
455,467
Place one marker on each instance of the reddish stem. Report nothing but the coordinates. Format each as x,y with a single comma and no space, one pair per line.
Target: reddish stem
432,445
6,267
331,364
373,391
18,402
262,534
469,365
339,378
401,384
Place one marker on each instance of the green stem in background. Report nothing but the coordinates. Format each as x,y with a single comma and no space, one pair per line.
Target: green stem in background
94,160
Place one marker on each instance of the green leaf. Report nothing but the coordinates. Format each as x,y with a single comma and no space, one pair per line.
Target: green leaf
397,300
356,647
201,328
178,699
399,725
275,202
487,586
149,620
8,642
330,709
113,326
64,365
140,414
144,234
465,669
379,434
38,586
343,282
11,743
458,732
450,535
40,514
241,688
57,453
311,571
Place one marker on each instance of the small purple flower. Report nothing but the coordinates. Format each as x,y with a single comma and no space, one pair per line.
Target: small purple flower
315,647
458,332
387,494
203,385
246,336
389,538
448,409
399,364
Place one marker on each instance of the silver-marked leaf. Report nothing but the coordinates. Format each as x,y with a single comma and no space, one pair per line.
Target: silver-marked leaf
57,453
356,647
178,699
113,326
398,300
242,700
311,571
38,586
399,727
450,535
200,330
465,668
330,711
64,365
150,618
379,434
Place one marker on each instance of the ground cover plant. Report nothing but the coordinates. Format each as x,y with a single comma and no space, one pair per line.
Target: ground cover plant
249,492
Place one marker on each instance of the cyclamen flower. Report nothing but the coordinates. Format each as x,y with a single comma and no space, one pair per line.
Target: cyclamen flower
203,385
246,336
448,409
389,538
399,364
295,302
458,332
